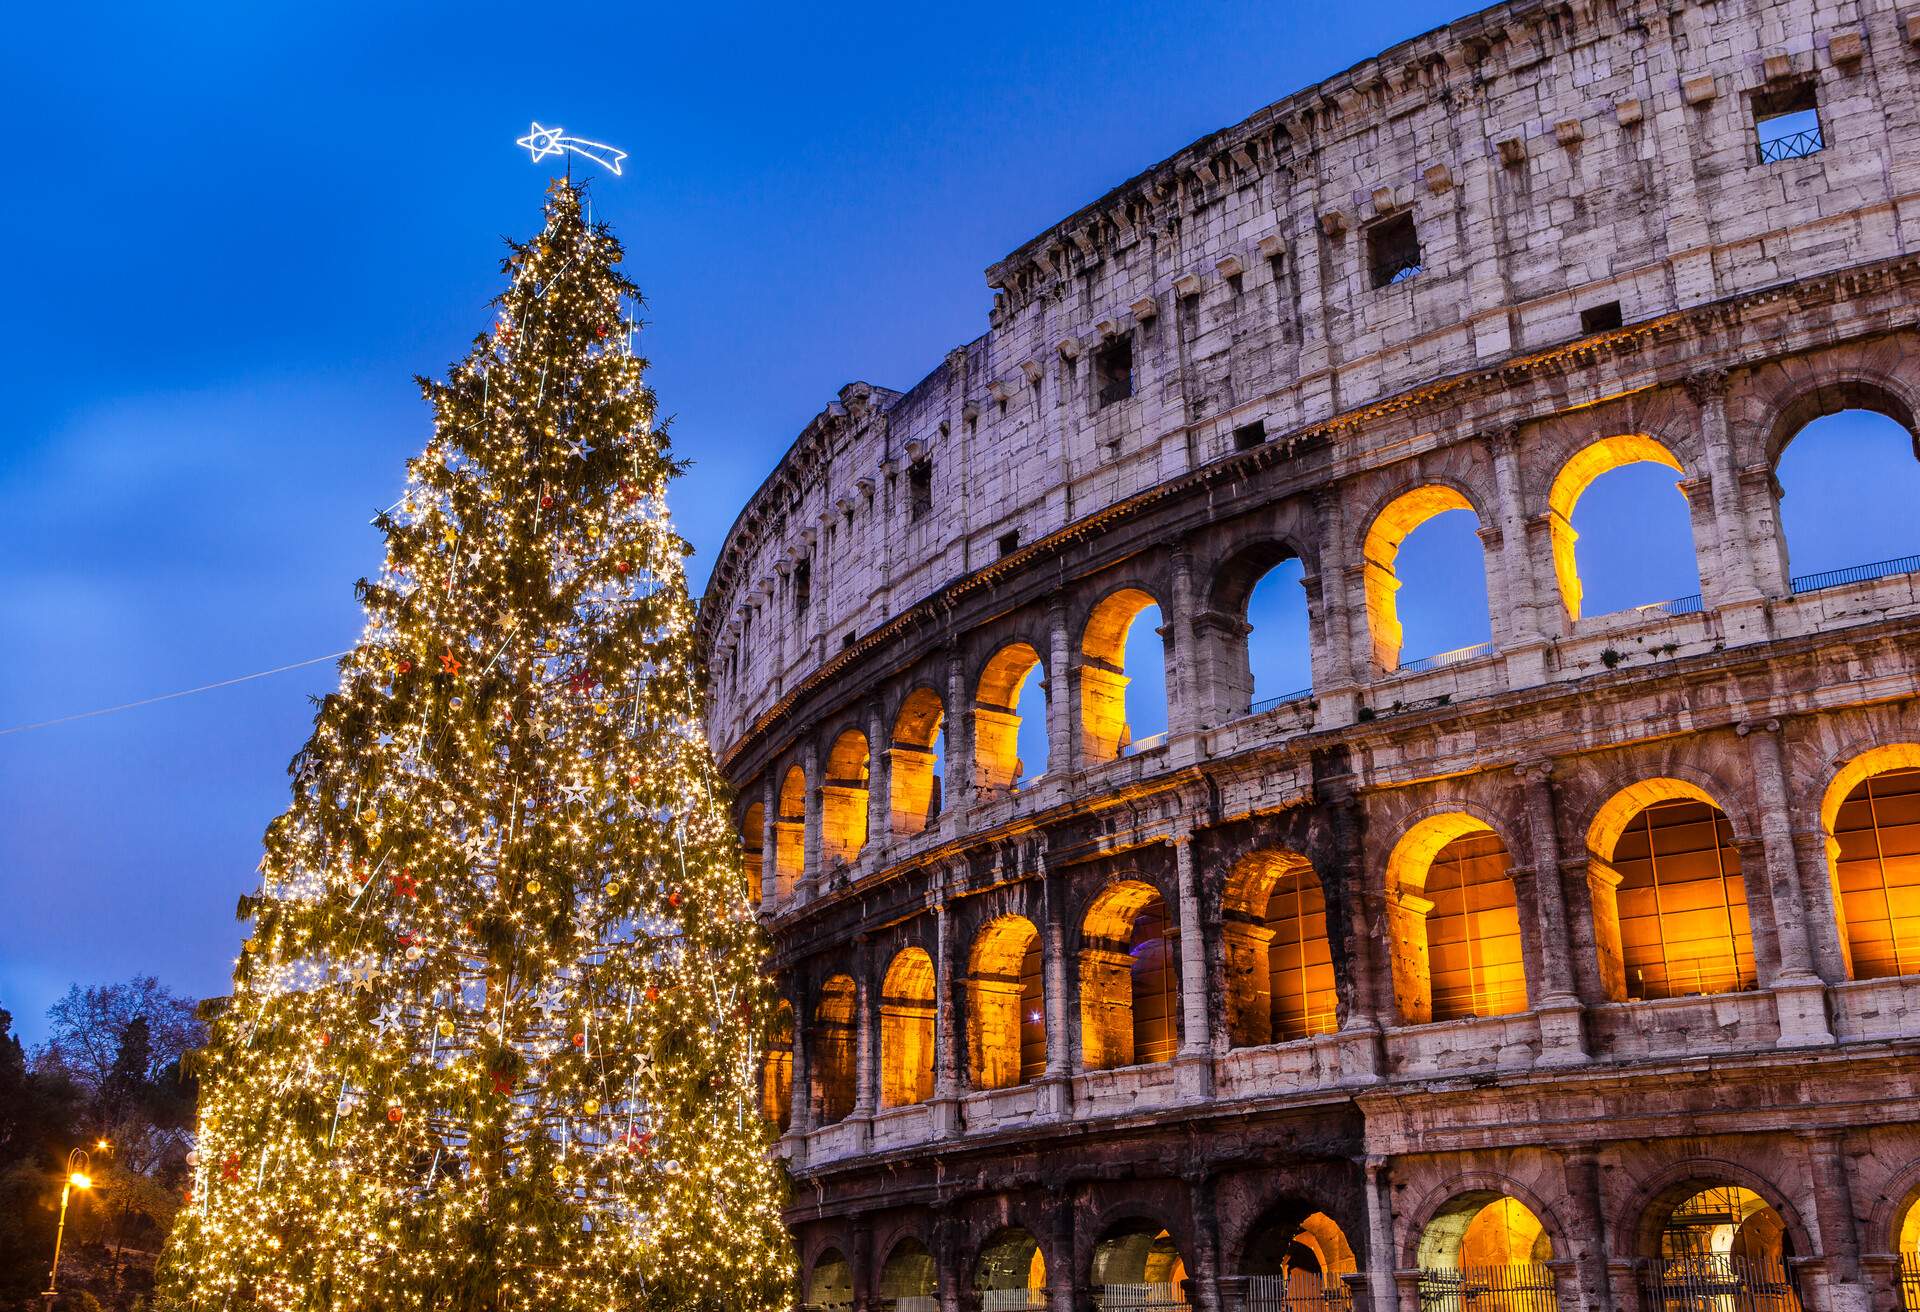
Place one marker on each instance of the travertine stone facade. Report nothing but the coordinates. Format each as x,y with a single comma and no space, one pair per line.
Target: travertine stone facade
1070,1007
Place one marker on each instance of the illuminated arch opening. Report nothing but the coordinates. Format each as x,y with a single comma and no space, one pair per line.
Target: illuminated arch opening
790,831
908,1282
830,1283
753,837
1492,1244
1256,638
776,1070
1455,921
1006,1006
843,798
1110,716
1669,902
917,759
1012,1273
1709,1235
1630,570
1848,481
1871,818
1387,537
1279,963
1129,979
1907,1239
1136,1266
997,716
1294,1262
833,1047
906,1030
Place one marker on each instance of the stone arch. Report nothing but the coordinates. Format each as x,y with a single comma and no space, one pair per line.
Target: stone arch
909,1281
1279,961
753,837
1443,1238
1295,1256
776,1069
1105,731
1578,473
790,831
833,1048
1872,840
1456,940
1648,1211
1137,1263
829,1280
1011,1271
913,786
1129,978
906,1029
843,797
1895,1220
1838,390
1006,1005
1861,466
1669,898
1380,548
996,722
1240,658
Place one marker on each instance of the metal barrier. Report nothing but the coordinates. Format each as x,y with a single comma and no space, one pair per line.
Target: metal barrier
1835,578
1298,1291
1012,1300
1910,1281
1268,703
1687,605
917,1303
1521,1287
1441,660
1717,1282
1137,1298
1794,145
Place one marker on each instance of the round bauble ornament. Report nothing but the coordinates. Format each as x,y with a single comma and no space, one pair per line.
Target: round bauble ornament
405,667
415,952
591,1106
546,503
533,886
613,888
456,702
395,1115
444,1028
579,1040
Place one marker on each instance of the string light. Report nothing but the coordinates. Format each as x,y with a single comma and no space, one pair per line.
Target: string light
496,1029
542,142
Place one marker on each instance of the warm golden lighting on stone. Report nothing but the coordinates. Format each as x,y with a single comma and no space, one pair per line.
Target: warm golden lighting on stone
1456,922
1104,733
996,725
1129,979
790,831
1574,478
1871,819
833,1049
843,799
914,793
1006,1021
1389,529
1279,966
906,1030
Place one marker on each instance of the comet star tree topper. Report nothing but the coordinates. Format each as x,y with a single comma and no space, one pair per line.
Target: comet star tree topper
495,1036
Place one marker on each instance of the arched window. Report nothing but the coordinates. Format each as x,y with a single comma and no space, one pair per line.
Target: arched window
1427,536
917,758
1848,484
790,831
1487,1248
1456,923
1279,637
1294,1262
833,1046
1638,531
1006,1008
843,799
1670,906
908,1282
830,1283
1012,1273
1004,755
906,1030
1279,966
776,1071
1871,816
1111,713
1137,1266
753,837
1710,1235
1129,979
1254,642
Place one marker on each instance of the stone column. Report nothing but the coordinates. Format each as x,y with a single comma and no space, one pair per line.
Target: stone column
1202,1287
866,1036
1556,1001
1195,1062
860,1260
1833,1220
946,1041
1177,633
1382,1259
1339,697
1056,1093
816,793
879,781
1733,570
1063,1263
1063,688
1362,1056
1798,992
769,844
1522,644
948,1286
1580,1176
957,722
801,1119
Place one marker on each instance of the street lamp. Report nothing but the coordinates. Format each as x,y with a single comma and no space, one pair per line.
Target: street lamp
78,1163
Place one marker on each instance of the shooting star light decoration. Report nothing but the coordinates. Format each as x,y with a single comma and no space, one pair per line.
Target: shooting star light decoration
543,142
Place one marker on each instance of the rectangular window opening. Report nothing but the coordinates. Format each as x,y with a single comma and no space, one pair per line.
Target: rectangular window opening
1393,246
848,641
1786,123
1600,318
920,488
1113,371
1248,436
1009,542
802,586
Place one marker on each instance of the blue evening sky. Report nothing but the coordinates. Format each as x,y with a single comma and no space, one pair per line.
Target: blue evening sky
234,232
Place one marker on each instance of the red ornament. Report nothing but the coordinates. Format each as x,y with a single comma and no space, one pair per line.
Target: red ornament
600,330
630,492
449,663
406,667
653,994
623,567
546,503
395,1115
326,1038
502,1083
406,940
673,899
230,1169
579,1040
403,885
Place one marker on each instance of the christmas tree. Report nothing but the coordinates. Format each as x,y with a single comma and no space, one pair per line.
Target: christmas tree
495,1033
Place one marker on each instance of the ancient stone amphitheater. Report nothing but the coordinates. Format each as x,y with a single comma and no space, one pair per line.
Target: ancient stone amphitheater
1576,969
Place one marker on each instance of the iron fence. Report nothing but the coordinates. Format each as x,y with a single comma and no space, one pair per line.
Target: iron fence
1397,271
1268,703
1298,1291
1138,1297
1910,1281
1441,660
1717,1282
1519,1287
1012,1300
1835,578
1687,605
1794,145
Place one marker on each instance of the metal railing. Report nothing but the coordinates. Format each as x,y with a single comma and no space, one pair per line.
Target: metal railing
1137,1298
1397,271
1298,1291
917,1303
1910,1281
1690,604
1012,1300
1441,660
1835,578
1794,145
1717,1282
1147,744
1268,703
1520,1287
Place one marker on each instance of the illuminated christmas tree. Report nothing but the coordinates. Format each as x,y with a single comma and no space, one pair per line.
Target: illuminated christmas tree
495,1035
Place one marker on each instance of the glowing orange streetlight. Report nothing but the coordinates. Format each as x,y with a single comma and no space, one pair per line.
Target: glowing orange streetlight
78,1164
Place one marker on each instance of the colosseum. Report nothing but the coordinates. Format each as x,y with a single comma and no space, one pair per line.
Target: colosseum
1575,969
